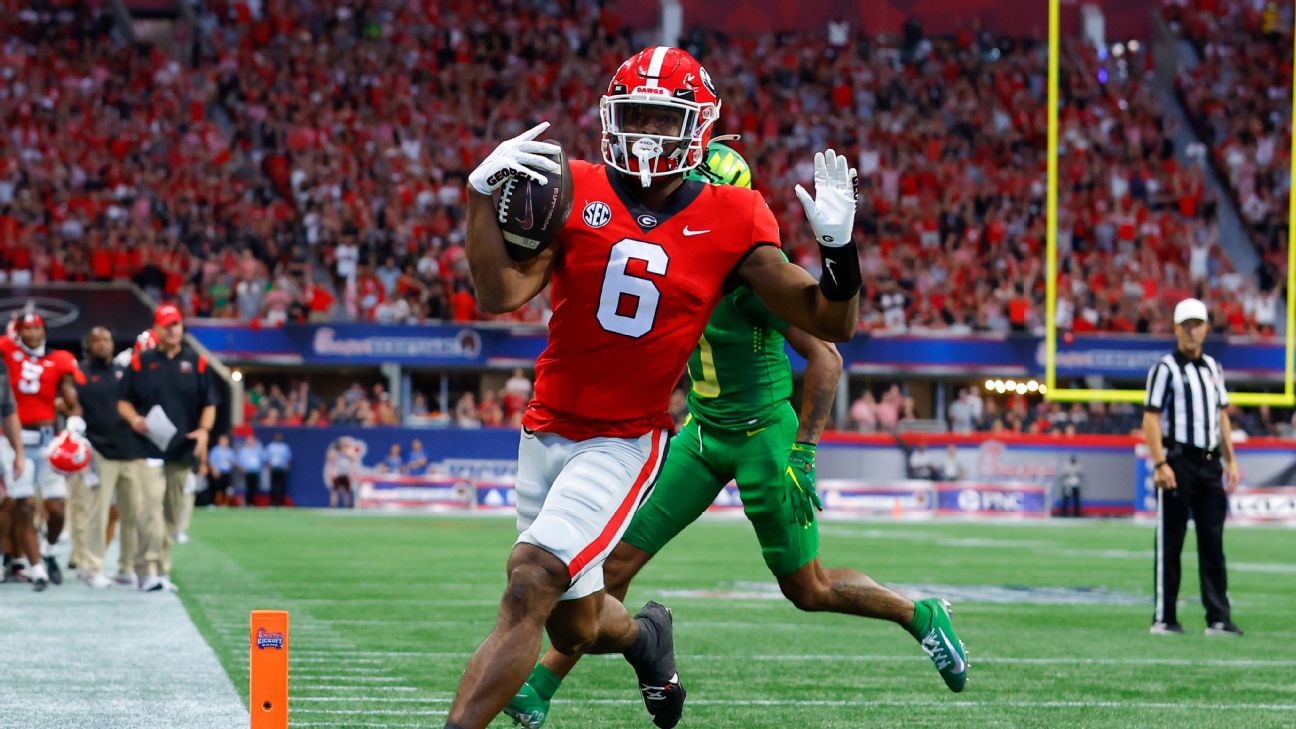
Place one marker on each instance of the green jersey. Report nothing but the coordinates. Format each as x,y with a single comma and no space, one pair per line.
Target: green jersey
739,371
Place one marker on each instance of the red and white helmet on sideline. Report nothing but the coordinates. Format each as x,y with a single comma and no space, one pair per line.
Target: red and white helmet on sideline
69,452
665,77
146,340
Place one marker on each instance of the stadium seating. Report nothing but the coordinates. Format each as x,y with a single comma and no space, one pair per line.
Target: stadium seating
347,201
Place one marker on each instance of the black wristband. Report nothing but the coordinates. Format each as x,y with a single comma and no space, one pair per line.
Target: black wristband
840,280
1158,465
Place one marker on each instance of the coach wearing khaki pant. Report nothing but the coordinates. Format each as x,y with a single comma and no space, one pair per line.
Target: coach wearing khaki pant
117,462
168,395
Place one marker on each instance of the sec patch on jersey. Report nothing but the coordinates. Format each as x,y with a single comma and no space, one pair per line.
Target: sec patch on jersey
530,214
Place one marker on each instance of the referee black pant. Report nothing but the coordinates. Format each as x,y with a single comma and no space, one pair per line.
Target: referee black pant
1199,492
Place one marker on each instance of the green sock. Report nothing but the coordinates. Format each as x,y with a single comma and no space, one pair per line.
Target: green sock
922,616
544,681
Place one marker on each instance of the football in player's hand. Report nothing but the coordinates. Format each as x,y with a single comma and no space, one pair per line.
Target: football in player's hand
530,214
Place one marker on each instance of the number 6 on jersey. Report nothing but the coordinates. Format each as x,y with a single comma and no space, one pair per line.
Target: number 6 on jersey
617,282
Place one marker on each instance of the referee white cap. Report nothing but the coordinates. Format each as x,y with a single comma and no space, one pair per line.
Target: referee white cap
1189,309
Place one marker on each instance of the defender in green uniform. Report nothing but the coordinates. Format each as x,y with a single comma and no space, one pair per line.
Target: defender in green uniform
741,426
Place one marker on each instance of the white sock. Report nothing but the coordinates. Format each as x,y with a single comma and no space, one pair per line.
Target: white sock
38,572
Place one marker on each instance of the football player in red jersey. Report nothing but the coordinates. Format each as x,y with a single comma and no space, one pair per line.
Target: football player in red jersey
39,379
636,271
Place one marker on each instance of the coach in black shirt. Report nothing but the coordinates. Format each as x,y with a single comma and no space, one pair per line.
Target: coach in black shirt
1193,455
118,457
177,379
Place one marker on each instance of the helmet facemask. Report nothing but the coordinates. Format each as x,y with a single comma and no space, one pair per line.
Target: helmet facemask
647,155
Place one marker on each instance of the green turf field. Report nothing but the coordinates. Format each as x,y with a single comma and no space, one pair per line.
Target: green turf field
385,611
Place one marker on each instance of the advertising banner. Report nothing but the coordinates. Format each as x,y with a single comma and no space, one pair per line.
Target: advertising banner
1264,506
1266,493
370,344
414,493
1008,475
495,496
480,346
1013,500
898,499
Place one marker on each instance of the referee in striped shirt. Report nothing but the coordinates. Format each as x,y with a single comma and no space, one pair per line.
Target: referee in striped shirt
1194,457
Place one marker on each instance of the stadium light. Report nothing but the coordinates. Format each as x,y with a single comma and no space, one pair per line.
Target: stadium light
1286,398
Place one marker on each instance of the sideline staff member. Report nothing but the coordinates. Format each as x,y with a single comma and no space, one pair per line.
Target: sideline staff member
176,378
1186,390
117,460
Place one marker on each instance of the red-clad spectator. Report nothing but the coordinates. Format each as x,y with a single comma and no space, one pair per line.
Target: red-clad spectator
464,305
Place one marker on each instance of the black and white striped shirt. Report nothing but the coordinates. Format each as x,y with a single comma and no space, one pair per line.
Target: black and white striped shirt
1189,394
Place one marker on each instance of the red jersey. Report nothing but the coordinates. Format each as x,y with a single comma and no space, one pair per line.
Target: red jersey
632,289
35,380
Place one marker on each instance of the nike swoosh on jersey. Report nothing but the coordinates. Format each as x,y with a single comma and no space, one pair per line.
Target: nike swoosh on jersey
750,433
690,233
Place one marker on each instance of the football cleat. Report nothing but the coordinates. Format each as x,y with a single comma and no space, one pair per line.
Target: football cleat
1166,629
39,578
55,574
1224,627
659,683
942,644
527,709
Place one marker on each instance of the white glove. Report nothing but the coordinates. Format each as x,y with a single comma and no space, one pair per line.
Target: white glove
832,212
518,156
76,424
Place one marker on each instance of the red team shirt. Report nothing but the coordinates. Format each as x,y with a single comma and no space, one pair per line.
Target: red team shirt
35,380
631,291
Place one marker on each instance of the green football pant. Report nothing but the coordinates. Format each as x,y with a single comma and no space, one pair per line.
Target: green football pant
701,460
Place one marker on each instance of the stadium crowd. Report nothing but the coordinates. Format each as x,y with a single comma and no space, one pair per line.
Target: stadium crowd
1245,119
297,403
309,163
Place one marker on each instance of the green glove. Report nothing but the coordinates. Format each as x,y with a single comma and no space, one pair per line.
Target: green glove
800,477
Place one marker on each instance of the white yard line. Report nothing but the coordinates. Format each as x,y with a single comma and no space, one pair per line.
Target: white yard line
847,703
866,658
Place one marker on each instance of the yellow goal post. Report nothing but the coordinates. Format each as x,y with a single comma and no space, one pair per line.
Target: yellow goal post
1070,394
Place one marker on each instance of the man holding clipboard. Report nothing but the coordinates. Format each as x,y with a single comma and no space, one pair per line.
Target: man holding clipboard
168,395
